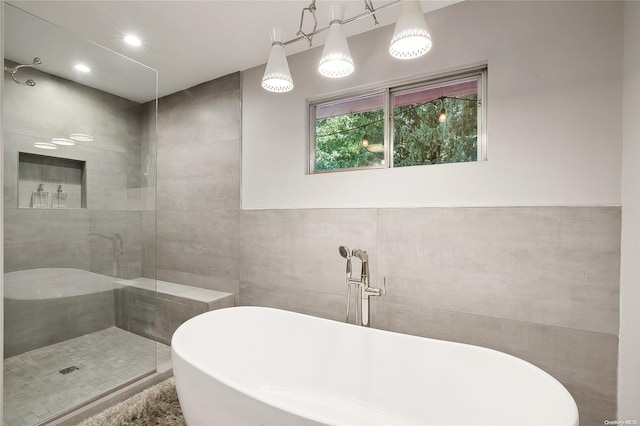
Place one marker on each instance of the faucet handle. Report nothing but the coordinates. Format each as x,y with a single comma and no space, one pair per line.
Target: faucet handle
370,291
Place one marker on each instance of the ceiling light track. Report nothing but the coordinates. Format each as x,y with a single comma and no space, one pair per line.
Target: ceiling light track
410,40
301,34
370,11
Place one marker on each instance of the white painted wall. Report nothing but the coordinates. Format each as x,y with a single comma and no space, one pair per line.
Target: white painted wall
629,361
555,84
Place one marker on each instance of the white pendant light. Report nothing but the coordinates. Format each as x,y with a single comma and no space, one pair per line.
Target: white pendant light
336,60
277,77
411,38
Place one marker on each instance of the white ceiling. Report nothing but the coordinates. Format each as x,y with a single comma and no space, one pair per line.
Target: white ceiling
188,42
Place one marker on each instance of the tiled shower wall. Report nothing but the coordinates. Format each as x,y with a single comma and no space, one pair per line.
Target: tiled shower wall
541,283
199,186
40,238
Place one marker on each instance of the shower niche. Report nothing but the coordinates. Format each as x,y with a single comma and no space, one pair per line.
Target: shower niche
46,182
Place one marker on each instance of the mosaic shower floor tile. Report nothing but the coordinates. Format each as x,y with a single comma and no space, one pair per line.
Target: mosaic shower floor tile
45,382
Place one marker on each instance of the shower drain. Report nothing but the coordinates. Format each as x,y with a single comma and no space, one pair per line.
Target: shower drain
69,370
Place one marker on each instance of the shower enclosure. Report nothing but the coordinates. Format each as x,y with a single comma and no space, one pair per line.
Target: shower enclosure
79,220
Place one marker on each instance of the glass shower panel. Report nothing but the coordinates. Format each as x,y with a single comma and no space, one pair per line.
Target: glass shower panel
79,220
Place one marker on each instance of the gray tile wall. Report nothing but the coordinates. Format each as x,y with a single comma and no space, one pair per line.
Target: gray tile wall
199,186
33,324
115,176
541,283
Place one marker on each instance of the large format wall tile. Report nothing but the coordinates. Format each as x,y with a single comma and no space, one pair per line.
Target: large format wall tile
48,238
549,265
316,303
199,187
199,242
68,239
540,283
299,248
584,361
206,113
41,322
199,177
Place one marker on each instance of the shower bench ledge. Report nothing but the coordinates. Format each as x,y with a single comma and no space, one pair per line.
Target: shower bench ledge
174,304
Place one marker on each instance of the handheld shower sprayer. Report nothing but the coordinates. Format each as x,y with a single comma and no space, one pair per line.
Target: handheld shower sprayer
346,253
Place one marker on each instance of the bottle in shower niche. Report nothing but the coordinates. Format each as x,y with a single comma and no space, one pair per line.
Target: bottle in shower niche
59,200
40,198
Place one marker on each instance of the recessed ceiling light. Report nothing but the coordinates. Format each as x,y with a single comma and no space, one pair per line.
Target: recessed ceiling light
132,40
82,68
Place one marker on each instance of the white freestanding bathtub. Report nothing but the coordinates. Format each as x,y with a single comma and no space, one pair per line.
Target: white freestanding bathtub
262,366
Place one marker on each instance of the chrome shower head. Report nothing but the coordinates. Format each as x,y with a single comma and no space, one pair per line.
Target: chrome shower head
13,71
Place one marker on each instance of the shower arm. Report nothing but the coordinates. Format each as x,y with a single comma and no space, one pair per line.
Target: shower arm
13,71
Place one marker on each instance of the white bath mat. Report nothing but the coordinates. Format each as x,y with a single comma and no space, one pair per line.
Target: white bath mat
157,405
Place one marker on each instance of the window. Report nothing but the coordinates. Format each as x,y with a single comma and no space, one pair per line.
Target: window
433,122
349,133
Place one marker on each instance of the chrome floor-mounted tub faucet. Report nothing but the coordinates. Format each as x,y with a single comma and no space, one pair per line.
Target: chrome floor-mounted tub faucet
363,290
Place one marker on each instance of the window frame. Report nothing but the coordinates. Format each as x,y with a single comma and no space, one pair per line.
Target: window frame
478,73
312,128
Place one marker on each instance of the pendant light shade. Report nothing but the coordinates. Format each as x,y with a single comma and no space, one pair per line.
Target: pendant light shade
336,60
277,77
410,38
